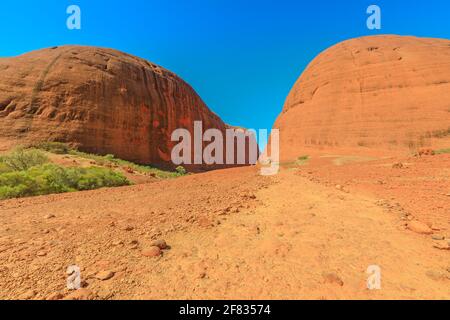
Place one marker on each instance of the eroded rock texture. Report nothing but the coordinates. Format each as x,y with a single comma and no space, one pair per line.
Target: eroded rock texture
385,92
102,100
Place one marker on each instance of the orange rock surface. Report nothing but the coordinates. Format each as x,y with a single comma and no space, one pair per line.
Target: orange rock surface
102,100
387,93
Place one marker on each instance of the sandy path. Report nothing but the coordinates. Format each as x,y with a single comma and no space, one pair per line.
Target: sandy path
302,235
233,234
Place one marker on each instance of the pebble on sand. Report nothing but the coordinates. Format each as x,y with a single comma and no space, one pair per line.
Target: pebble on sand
419,227
80,294
332,278
104,275
161,244
28,295
441,245
153,251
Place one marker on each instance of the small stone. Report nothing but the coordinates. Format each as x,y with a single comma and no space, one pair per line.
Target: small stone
134,244
419,227
437,237
104,275
80,294
28,295
205,222
441,245
436,275
333,279
397,165
41,253
160,244
117,243
128,228
50,216
104,294
55,296
153,251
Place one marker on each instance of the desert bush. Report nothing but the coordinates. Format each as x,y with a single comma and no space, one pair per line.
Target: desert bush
180,170
302,160
23,159
50,178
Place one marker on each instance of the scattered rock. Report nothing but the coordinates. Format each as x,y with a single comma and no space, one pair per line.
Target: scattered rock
426,152
117,243
80,294
333,278
50,216
128,228
398,165
205,222
28,295
104,294
41,253
153,251
161,244
55,296
437,237
134,244
436,275
441,245
419,227
104,275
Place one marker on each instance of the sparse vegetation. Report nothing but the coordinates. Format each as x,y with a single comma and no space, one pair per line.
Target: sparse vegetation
181,170
22,159
302,160
442,151
109,160
50,178
28,172
54,147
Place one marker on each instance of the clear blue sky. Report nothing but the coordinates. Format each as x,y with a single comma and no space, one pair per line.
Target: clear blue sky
242,57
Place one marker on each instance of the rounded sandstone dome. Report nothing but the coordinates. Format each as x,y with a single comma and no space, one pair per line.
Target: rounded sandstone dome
102,100
388,93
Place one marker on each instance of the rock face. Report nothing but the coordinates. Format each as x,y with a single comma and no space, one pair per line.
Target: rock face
101,100
384,92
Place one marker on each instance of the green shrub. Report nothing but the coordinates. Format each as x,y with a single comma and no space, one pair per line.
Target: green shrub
180,170
23,159
302,160
49,178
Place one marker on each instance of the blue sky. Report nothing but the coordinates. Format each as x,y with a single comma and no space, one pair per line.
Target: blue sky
242,57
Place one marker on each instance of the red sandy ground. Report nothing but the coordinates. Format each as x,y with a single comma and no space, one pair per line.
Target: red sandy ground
234,234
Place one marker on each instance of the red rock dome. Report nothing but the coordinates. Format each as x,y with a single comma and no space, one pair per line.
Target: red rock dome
102,100
382,92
